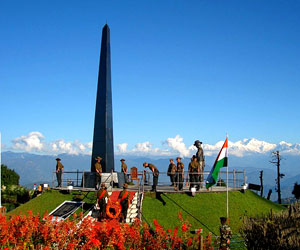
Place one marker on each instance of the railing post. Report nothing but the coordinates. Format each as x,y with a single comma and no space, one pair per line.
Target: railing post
138,200
233,178
111,179
200,242
77,179
237,178
53,180
144,174
82,179
244,172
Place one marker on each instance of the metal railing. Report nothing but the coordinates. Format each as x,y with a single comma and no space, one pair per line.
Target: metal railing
236,179
74,177
77,178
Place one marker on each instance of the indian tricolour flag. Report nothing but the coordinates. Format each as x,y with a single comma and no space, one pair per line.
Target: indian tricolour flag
220,162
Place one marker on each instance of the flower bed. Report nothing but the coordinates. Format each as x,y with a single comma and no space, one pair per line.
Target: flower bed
35,232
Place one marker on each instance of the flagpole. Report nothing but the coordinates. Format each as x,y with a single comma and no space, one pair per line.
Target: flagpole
227,209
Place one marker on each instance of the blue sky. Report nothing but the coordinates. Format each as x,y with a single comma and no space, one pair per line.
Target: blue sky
197,69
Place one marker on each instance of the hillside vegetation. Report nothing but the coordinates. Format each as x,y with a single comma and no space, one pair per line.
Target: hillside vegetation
205,209
49,200
202,211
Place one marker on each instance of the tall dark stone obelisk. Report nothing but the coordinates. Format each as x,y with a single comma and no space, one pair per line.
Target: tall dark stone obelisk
103,143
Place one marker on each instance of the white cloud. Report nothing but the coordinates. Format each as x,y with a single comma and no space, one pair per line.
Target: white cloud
141,149
76,147
173,146
177,145
122,147
33,142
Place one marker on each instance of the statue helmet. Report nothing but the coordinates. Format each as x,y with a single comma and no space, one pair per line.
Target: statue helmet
197,142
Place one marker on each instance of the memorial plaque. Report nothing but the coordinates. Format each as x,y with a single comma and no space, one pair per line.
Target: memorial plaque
254,187
66,209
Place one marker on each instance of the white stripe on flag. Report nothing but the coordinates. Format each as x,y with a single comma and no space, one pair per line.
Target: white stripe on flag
223,154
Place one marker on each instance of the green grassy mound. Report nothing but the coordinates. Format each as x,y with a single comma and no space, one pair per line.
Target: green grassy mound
202,211
49,200
205,209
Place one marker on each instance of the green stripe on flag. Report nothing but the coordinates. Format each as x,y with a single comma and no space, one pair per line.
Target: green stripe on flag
215,172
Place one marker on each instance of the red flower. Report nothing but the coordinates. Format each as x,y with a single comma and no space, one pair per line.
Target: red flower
18,232
184,228
180,215
95,242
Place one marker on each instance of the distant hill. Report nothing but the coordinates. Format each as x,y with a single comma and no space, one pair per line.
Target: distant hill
34,168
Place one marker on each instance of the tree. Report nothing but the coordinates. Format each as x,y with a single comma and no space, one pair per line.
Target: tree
261,183
296,190
8,176
276,158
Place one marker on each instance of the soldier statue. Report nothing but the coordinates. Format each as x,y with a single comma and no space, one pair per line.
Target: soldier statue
124,170
200,159
179,174
124,201
225,235
98,168
101,202
155,173
172,172
59,169
194,170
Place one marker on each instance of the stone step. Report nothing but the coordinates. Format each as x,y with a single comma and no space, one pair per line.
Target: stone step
134,215
133,212
130,220
132,209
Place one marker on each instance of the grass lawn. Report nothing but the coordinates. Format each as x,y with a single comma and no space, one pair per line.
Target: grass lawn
49,200
202,211
205,209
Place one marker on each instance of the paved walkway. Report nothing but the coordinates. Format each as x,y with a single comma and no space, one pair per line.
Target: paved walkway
160,188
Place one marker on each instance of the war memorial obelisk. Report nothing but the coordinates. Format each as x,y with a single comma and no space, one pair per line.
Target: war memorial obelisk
103,144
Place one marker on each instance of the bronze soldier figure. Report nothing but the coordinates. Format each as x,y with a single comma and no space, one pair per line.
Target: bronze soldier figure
98,169
189,177
124,170
59,169
200,159
155,173
225,235
101,201
179,174
194,173
172,172
124,201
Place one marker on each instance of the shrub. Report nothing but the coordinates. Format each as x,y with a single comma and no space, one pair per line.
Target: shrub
296,190
273,231
8,176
